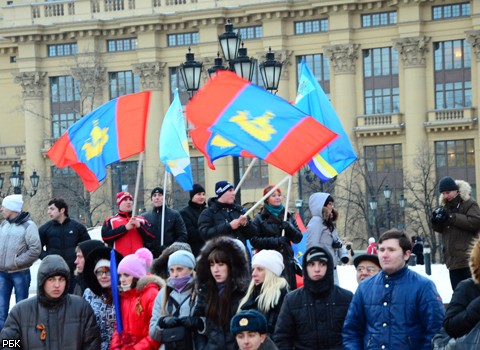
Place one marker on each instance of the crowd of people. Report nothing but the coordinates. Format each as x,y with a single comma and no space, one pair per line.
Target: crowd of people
187,279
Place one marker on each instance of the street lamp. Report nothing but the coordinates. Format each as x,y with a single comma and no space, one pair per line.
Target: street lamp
387,194
17,180
217,65
373,206
191,72
271,71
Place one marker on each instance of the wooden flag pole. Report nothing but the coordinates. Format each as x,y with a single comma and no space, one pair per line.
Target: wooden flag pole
242,180
137,184
267,195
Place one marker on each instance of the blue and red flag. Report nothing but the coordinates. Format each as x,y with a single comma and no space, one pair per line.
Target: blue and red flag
112,132
258,122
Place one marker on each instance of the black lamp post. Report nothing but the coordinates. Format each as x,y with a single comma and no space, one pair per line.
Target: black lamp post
387,193
217,66
191,72
271,71
17,180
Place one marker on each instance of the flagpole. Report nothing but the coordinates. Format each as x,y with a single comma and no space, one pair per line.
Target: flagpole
285,215
163,206
137,184
267,195
242,180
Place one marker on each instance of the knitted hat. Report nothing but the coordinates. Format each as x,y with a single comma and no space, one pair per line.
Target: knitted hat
156,190
137,264
248,320
183,258
269,187
196,189
316,254
221,187
447,184
369,257
13,202
371,240
101,263
121,196
269,259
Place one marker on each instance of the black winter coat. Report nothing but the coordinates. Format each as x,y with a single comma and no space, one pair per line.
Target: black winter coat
174,229
269,236
190,215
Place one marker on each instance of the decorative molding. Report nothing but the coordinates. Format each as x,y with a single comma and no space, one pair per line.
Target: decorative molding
89,78
151,74
473,38
32,83
412,50
343,57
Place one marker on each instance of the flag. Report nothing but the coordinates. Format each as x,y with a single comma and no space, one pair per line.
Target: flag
115,291
173,145
112,132
339,154
300,248
217,145
257,121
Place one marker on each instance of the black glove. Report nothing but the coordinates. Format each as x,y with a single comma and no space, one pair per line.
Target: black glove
192,322
283,241
439,216
337,244
168,322
344,260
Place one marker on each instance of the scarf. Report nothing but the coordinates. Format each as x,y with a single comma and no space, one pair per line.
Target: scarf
180,283
276,211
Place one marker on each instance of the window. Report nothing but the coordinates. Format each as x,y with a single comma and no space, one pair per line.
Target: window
381,92
258,175
116,45
64,104
379,19
320,67
453,84
456,158
123,83
183,39
176,82
308,27
451,11
62,50
248,33
124,177
13,59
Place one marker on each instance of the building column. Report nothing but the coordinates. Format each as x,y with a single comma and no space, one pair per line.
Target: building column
91,80
151,75
32,84
412,51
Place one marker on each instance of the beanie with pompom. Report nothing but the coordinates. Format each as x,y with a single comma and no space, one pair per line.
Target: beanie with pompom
137,264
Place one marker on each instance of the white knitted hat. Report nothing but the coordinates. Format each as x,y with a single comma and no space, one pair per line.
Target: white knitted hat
13,202
269,259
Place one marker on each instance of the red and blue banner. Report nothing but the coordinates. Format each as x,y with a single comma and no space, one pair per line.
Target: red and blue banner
258,122
112,132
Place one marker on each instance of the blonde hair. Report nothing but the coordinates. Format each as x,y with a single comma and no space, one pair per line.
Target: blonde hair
269,293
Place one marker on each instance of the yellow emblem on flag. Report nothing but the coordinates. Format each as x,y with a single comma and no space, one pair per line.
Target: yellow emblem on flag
94,145
258,127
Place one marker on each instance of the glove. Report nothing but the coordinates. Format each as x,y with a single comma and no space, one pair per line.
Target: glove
439,216
337,244
168,322
283,241
344,260
192,322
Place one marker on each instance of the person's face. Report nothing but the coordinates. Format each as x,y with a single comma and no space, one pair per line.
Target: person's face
228,197
125,280
391,256
7,213
365,269
54,213
330,206
316,270
258,274
79,261
177,271
126,205
449,195
157,199
275,199
219,271
247,340
54,286
103,277
199,198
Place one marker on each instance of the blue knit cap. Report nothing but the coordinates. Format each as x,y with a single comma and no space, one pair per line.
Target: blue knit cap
182,258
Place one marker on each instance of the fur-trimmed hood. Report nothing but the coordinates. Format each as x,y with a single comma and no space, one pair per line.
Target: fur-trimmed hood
464,190
475,261
240,270
148,279
160,265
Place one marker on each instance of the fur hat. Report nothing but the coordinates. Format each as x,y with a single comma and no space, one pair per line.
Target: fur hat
248,320
369,257
183,258
137,264
99,254
121,196
447,184
160,265
14,202
221,187
156,190
269,259
196,189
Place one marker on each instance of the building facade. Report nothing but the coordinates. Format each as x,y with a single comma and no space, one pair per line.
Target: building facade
403,77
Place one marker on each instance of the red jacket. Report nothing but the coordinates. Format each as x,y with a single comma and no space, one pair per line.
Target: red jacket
126,242
372,248
136,305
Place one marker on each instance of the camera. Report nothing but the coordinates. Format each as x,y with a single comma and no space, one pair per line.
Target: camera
336,244
439,216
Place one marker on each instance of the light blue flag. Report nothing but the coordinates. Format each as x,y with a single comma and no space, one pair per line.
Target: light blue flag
339,154
173,145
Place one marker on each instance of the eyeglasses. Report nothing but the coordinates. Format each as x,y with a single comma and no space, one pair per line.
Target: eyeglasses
369,269
100,273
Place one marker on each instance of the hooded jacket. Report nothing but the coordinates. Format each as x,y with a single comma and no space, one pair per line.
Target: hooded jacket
312,316
463,312
66,322
19,243
462,226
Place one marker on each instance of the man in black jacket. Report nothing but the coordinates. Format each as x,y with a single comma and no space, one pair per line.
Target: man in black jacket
174,228
61,235
190,215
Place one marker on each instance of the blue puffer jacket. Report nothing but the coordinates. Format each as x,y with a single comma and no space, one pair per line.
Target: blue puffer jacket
398,311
